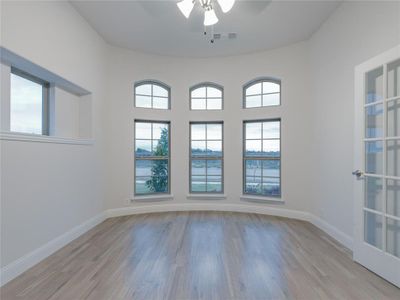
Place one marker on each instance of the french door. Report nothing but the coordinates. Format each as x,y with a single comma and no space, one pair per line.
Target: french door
377,165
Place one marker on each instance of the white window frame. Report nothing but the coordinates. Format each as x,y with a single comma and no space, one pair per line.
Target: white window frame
262,158
261,80
45,99
168,158
205,85
206,157
152,83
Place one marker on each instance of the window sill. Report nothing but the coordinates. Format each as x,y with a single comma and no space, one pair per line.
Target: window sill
206,197
254,198
152,198
26,137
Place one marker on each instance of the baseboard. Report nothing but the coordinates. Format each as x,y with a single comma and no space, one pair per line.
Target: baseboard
267,210
332,231
22,264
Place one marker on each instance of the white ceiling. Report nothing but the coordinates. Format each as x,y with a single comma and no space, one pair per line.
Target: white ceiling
158,27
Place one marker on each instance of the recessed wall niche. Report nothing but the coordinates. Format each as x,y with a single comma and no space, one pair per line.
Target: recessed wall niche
66,107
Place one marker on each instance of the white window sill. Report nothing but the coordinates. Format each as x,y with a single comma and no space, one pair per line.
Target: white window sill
261,199
26,137
206,197
152,198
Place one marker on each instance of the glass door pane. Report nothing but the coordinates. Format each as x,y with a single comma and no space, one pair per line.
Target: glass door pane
373,229
374,157
393,79
393,116
373,193
374,86
393,158
393,197
374,121
393,236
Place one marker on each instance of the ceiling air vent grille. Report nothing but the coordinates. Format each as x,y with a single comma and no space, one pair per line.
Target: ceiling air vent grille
232,35
229,36
217,36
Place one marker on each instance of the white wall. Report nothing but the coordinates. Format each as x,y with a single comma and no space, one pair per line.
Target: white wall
356,32
47,189
289,64
66,111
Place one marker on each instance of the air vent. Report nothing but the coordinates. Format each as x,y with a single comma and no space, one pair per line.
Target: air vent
217,36
232,35
224,36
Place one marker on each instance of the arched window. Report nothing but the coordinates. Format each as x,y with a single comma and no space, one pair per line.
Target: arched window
152,94
206,96
262,92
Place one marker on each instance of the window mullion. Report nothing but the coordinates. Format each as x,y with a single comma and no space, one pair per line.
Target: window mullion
206,163
262,98
45,110
152,100
206,149
206,105
262,143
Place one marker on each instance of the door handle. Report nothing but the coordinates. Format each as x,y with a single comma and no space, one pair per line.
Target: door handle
357,173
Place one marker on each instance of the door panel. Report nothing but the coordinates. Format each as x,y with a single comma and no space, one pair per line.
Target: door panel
377,152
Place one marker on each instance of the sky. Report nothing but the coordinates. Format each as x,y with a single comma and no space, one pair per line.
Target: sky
25,106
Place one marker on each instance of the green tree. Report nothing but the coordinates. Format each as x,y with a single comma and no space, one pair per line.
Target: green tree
159,170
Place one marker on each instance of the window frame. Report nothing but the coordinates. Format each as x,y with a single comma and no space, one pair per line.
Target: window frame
151,82
151,158
261,80
206,157
262,158
206,84
45,99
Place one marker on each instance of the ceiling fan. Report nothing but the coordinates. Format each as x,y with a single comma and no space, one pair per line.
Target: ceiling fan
210,18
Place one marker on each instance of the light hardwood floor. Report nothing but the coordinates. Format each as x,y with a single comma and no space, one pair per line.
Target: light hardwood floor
200,255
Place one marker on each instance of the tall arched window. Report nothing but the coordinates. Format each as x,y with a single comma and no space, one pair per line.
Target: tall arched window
206,96
152,94
262,92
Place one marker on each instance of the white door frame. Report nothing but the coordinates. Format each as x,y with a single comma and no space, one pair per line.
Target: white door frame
378,261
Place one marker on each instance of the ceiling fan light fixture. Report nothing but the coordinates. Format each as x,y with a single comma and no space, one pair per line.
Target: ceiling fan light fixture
210,18
186,7
226,5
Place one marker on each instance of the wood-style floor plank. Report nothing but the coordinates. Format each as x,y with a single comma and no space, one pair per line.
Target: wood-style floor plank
200,255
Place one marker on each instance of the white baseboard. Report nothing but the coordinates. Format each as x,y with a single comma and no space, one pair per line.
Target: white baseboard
27,261
22,264
267,210
332,231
